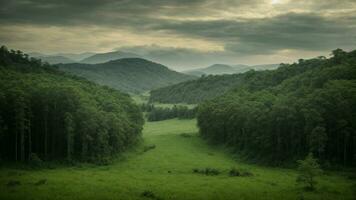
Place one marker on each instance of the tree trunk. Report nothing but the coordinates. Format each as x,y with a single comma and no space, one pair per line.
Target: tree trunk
22,141
46,132
16,146
29,140
345,147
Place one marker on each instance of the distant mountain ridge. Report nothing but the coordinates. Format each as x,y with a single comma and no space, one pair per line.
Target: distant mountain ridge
133,75
63,58
109,56
219,69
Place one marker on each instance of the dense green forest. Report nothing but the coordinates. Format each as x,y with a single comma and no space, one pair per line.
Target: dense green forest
219,69
50,115
196,91
211,86
280,116
133,75
156,113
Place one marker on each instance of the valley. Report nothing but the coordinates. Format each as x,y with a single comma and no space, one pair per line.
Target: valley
166,172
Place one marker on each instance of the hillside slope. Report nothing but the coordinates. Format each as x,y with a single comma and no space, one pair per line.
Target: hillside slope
134,75
281,116
51,115
220,69
56,59
195,91
109,56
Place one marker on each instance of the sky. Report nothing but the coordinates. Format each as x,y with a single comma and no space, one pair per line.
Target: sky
182,33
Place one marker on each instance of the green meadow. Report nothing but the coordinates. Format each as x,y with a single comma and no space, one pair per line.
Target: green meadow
165,171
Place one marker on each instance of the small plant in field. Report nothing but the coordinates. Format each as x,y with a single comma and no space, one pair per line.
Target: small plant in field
308,169
149,147
234,172
13,183
246,173
35,161
41,182
186,135
148,194
207,171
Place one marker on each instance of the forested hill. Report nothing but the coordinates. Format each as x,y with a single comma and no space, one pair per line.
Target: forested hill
284,114
195,91
109,56
219,69
211,86
134,75
47,114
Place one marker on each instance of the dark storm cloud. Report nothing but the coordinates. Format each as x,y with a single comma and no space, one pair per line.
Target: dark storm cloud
310,29
287,31
108,12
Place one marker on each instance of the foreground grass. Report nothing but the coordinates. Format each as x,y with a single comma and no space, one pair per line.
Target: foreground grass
166,172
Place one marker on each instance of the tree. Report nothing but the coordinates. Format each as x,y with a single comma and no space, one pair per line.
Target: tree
317,140
69,126
308,169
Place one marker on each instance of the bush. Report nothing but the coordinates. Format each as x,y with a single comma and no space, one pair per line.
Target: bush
41,182
186,135
13,183
308,169
148,194
234,172
207,171
246,173
149,147
35,161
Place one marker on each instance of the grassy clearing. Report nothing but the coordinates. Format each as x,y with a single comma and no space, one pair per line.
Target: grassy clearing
143,99
165,172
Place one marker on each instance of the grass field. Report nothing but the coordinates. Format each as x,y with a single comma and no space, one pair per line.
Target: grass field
165,172
143,99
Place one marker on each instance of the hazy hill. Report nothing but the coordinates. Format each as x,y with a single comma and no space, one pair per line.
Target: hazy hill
56,59
218,69
61,57
132,75
109,56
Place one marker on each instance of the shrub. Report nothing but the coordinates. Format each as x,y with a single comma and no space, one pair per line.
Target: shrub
308,169
246,173
13,183
41,182
149,147
35,161
186,135
234,172
207,171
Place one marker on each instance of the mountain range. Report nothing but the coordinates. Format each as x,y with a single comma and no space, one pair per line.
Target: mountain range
219,69
133,75
159,57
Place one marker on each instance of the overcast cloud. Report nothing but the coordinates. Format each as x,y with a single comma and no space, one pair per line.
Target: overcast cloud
199,31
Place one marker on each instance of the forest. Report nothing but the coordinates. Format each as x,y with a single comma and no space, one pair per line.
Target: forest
156,113
47,114
277,117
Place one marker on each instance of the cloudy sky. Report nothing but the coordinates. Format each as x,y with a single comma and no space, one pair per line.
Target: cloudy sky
208,31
